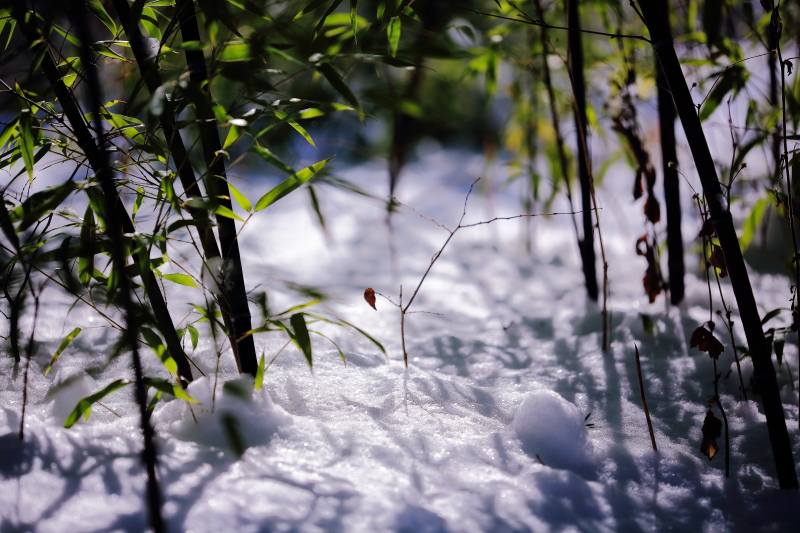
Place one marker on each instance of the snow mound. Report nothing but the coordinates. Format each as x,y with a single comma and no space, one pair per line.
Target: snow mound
234,419
553,428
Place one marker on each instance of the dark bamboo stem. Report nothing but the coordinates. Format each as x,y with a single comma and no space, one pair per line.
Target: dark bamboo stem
586,245
105,176
672,196
236,299
764,372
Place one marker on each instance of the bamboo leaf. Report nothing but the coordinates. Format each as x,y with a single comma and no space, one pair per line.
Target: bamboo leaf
165,386
61,347
298,128
752,222
100,12
84,407
7,226
321,22
259,381
195,336
354,18
336,82
155,344
180,279
290,184
270,158
240,198
301,338
393,33
87,247
226,212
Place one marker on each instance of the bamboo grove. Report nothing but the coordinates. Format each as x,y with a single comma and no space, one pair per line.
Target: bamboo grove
142,109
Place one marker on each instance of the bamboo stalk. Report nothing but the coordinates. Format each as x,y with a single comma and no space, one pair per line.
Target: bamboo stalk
586,245
672,197
243,346
644,400
764,372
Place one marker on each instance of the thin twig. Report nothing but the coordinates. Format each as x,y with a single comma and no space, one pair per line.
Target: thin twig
644,400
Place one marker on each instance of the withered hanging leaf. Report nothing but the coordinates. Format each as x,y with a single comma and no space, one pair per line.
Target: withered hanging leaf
369,296
718,260
638,188
788,64
704,340
712,429
708,229
653,281
795,320
652,209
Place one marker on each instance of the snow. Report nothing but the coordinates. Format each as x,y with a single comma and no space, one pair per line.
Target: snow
486,431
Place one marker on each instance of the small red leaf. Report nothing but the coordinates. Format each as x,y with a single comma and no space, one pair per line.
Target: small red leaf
369,296
652,209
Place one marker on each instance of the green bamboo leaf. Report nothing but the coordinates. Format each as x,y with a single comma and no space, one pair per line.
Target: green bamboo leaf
7,226
290,184
7,26
195,336
298,128
100,12
301,338
87,247
271,158
236,51
310,7
138,202
752,222
259,381
354,18
341,354
336,82
27,138
240,198
37,205
226,212
165,386
321,22
393,33
772,314
190,45
155,344
84,407
361,331
103,49
61,347
10,130
68,36
180,279
315,206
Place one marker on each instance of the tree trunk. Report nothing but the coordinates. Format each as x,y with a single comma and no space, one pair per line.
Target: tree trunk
764,372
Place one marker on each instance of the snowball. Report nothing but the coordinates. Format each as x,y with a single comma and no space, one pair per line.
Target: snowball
553,428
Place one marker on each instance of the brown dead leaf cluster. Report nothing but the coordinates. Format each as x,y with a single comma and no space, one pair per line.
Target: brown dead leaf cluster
653,280
705,341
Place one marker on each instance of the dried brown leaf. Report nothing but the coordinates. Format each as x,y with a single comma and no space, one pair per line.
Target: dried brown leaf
708,229
652,209
369,296
712,429
718,260
705,341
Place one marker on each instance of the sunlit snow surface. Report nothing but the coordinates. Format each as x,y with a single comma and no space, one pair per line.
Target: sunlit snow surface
485,431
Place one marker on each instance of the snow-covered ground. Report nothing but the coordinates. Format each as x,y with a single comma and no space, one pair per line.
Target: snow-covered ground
486,431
